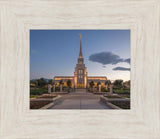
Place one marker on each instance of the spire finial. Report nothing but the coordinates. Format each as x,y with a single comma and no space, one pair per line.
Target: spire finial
80,53
80,36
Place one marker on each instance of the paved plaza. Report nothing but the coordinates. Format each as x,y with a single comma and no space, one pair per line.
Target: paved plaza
80,100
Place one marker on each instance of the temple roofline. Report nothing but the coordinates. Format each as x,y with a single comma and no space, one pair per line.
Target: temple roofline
63,76
97,76
87,76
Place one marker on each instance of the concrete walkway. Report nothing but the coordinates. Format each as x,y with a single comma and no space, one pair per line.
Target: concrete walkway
80,100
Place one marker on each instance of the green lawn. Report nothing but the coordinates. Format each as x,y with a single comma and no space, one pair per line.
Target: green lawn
33,96
126,96
111,96
121,91
38,91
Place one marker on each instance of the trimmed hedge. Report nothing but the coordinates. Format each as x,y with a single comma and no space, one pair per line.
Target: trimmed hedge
122,104
38,91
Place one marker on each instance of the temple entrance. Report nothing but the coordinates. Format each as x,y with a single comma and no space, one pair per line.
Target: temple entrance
80,85
80,88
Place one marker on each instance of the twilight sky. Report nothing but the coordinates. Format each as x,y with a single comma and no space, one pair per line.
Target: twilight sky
55,53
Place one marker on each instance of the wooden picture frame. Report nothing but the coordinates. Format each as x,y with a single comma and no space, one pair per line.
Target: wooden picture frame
18,17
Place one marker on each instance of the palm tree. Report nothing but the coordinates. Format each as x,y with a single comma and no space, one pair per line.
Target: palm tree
107,83
69,84
91,85
99,83
61,82
51,82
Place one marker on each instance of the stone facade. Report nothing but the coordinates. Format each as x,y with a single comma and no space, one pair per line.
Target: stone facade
80,78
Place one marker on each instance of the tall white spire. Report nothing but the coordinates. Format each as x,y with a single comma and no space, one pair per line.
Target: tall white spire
80,53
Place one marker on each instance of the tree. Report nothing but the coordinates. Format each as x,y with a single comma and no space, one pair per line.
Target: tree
69,84
42,82
51,82
91,85
126,84
99,83
118,83
107,83
33,82
61,82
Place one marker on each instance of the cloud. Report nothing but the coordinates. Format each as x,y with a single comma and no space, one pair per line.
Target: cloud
121,69
128,60
107,58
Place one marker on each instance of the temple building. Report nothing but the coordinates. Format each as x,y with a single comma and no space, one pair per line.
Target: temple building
80,78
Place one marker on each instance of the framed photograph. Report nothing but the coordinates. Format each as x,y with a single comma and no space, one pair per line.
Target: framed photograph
100,79
79,69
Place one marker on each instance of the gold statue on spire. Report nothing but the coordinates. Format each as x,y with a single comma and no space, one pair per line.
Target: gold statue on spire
80,36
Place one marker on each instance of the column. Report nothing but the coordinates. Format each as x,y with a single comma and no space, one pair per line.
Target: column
99,87
111,89
54,88
106,87
60,87
49,88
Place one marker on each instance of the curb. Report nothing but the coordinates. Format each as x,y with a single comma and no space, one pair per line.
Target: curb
105,100
55,101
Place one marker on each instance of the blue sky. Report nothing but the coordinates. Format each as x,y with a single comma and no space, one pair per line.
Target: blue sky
55,53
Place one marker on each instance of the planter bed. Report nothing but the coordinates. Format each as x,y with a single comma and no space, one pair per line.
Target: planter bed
37,104
122,93
56,93
121,104
116,103
112,96
125,96
41,101
117,95
47,96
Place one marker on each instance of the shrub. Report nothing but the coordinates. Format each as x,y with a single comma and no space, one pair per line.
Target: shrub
38,91
122,104
103,90
57,89
38,104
